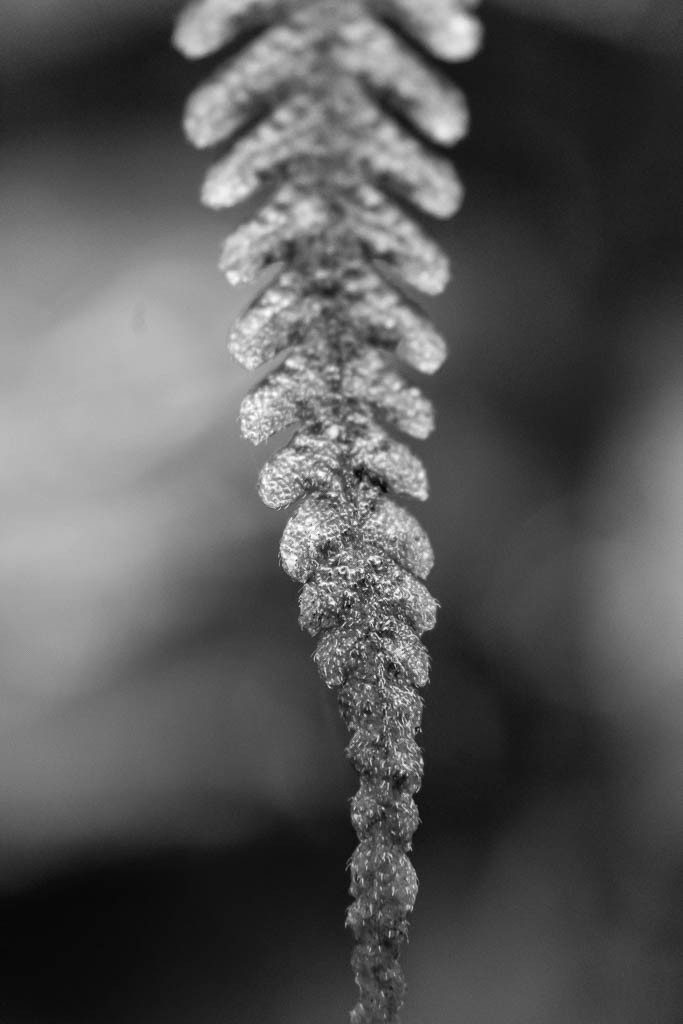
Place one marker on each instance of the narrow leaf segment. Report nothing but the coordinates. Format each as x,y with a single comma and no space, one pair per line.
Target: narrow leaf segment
318,107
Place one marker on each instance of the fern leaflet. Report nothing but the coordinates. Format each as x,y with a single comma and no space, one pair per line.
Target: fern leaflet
309,108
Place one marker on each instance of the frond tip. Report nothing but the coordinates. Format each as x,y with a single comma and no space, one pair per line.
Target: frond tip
308,108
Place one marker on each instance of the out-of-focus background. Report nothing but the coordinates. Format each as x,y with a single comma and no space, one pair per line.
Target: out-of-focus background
173,790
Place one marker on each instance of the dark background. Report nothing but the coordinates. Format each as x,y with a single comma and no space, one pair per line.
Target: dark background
173,790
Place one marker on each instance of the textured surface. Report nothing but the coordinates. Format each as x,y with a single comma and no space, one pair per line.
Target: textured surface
308,105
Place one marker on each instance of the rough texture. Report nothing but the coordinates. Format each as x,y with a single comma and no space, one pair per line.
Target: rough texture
307,107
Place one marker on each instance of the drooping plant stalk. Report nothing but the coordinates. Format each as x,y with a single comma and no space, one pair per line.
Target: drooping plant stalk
301,106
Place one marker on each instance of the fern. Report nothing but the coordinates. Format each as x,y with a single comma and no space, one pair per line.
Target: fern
299,105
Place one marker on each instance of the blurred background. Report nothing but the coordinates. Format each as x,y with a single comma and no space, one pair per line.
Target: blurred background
173,789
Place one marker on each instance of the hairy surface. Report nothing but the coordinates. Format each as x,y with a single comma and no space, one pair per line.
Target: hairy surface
308,107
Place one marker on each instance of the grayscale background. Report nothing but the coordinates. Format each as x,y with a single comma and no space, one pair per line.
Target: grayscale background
173,788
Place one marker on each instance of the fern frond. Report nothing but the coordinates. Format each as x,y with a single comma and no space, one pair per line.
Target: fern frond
309,108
